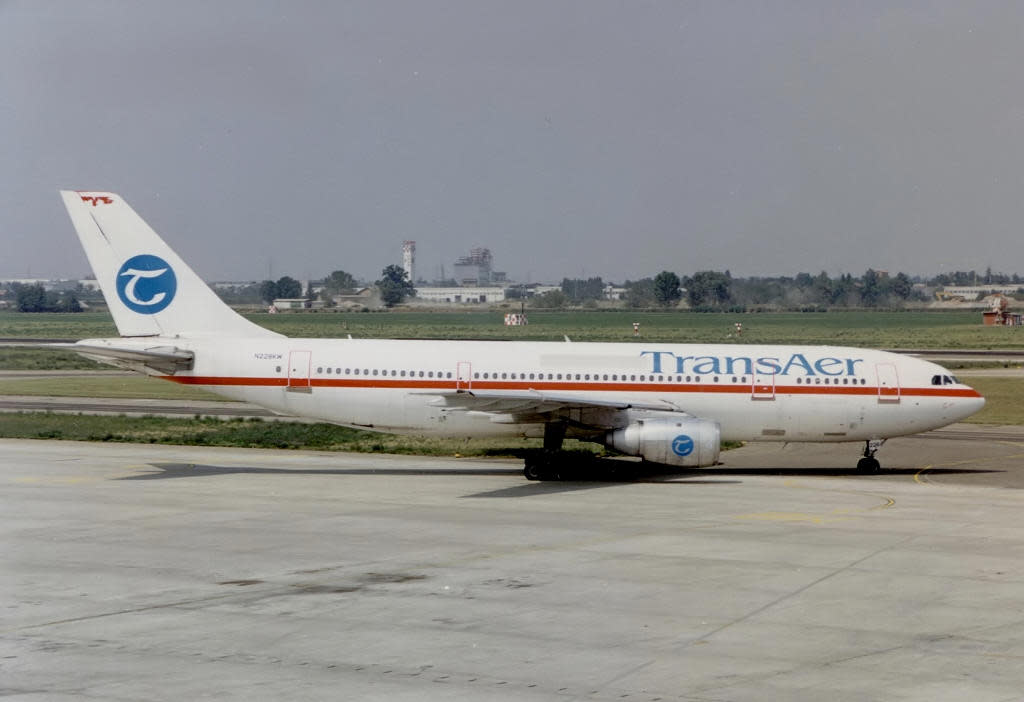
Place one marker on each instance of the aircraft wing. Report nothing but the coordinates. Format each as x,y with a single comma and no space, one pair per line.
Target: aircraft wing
165,359
513,406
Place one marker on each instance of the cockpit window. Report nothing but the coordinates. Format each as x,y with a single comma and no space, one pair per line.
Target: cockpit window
936,380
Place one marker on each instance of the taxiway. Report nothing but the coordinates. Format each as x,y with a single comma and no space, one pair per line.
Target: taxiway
132,572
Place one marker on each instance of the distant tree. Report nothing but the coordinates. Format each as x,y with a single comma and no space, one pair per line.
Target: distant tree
871,291
339,283
394,285
31,298
823,289
552,300
901,286
240,294
581,289
288,287
35,298
709,289
268,291
666,289
640,293
804,280
68,302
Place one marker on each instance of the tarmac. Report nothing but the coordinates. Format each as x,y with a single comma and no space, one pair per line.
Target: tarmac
138,572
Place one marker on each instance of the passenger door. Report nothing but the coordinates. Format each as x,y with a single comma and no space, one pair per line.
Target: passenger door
299,366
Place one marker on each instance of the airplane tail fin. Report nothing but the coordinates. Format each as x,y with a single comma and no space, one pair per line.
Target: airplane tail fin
150,291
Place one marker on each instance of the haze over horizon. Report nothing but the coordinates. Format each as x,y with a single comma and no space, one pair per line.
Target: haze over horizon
573,139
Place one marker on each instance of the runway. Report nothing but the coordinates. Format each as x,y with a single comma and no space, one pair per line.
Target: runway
135,572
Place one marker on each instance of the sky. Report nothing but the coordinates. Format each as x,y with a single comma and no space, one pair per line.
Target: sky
574,138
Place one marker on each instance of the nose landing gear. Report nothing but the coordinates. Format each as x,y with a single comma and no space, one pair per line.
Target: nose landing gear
870,464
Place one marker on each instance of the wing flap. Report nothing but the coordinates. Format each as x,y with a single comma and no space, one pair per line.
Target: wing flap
520,405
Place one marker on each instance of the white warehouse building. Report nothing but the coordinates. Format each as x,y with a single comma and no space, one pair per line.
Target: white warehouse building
470,295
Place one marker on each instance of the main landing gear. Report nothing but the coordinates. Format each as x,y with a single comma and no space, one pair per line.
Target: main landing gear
544,464
869,463
552,463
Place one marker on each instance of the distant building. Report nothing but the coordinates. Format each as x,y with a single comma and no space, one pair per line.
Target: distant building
409,259
296,303
461,295
474,269
969,293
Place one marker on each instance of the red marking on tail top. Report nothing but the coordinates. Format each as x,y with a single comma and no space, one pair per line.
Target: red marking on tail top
97,199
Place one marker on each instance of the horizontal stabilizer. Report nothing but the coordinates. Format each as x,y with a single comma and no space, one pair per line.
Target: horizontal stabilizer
164,359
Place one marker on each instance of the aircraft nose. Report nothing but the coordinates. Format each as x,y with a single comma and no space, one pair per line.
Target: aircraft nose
972,403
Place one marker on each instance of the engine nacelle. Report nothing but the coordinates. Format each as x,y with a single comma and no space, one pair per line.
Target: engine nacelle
669,440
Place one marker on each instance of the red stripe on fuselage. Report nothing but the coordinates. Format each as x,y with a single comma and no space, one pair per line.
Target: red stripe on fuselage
449,384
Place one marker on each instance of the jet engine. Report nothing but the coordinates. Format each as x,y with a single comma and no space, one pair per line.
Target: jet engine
673,440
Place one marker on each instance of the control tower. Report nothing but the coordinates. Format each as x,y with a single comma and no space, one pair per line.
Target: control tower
409,259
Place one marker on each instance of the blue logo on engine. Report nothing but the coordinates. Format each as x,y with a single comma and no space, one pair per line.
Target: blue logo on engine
682,445
146,284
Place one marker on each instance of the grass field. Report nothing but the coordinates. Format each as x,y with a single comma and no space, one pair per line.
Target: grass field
119,387
909,329
253,433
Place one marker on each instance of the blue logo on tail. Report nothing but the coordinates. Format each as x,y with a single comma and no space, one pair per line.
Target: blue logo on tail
682,445
146,284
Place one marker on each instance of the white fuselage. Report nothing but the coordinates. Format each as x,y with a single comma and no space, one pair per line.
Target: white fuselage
756,393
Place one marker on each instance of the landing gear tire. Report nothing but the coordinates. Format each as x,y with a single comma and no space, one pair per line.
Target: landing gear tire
536,468
869,464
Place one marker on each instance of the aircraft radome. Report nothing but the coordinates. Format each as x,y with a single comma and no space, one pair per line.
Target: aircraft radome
670,404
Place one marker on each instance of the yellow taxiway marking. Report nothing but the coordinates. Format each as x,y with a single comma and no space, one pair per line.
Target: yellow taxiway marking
835,515
920,479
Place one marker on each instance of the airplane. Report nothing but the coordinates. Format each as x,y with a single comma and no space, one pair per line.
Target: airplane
669,404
